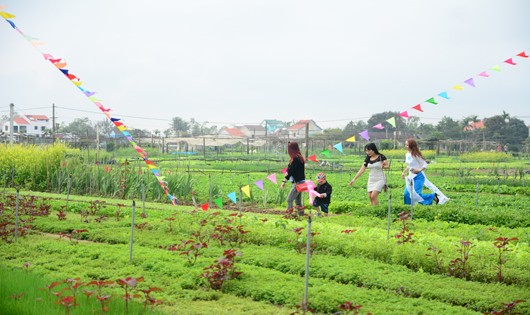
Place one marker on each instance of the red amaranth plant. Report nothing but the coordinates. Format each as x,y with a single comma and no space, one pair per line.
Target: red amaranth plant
349,308
222,270
459,266
404,235
68,302
148,299
125,283
507,308
501,243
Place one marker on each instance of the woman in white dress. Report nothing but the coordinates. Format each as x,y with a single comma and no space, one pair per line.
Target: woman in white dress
415,178
376,162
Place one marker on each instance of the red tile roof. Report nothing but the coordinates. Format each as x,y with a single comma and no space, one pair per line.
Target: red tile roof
235,132
20,121
475,125
38,117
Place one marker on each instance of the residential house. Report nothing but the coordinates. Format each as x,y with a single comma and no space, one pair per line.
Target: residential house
272,125
474,125
298,130
253,131
30,125
231,133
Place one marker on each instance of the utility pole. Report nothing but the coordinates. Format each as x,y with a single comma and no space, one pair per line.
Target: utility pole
53,122
11,114
97,143
306,140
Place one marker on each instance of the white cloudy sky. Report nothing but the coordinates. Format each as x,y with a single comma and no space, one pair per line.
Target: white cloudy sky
234,62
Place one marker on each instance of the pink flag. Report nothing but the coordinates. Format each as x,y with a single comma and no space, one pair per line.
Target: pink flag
272,178
259,183
484,74
404,114
510,61
470,82
418,108
364,134
522,54
379,126
284,170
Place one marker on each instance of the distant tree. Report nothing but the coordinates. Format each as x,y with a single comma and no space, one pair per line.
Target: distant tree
354,127
106,127
168,132
506,130
80,127
451,129
383,117
331,133
179,126
427,131
212,130
139,133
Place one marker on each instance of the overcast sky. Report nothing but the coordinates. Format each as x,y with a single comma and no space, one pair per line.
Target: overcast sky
240,62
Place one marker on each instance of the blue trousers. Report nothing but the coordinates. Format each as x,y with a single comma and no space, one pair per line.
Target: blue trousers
419,181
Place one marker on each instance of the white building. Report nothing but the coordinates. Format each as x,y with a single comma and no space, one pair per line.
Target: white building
31,125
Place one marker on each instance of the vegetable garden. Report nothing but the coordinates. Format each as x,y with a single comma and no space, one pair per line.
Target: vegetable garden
72,241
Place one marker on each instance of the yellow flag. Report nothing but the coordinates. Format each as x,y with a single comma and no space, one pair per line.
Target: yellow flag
351,139
458,87
6,15
246,190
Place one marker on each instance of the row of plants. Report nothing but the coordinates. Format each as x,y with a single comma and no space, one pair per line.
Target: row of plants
275,287
381,249
188,226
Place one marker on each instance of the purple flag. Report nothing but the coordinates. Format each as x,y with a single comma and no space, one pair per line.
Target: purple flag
364,134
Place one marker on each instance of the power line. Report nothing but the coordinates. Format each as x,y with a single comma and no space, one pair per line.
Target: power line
127,116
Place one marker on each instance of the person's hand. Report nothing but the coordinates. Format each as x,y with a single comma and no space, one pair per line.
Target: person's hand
320,196
282,185
403,175
351,182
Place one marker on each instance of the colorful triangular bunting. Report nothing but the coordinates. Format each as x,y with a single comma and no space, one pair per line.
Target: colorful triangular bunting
326,153
432,101
444,95
404,114
232,196
351,139
338,146
219,202
470,81
364,134
392,121
272,178
259,183
418,108
246,190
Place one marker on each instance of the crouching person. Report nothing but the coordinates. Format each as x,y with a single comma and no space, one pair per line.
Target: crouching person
323,198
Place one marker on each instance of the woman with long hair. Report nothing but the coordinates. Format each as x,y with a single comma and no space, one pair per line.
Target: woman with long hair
296,175
376,163
416,179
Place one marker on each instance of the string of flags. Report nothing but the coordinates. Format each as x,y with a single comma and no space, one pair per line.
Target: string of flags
442,96
60,64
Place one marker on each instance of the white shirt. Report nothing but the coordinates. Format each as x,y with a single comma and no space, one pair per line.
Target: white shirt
414,162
